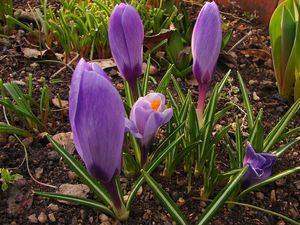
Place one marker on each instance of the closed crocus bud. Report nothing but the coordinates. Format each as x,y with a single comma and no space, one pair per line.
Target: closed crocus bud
146,116
98,125
126,36
206,46
260,165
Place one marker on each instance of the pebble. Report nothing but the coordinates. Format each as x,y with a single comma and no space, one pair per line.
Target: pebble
51,217
42,218
260,195
3,139
79,190
255,96
32,218
297,183
273,196
203,204
180,201
140,191
27,141
252,82
52,155
34,65
103,218
280,182
294,213
53,207
280,222
72,175
38,172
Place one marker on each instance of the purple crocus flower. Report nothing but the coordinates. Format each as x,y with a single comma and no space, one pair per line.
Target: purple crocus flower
206,46
260,165
126,37
146,116
97,124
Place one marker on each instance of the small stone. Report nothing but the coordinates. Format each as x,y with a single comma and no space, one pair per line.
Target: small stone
255,96
103,218
91,219
32,218
140,191
106,223
180,201
51,217
38,172
273,196
218,127
12,140
53,207
27,141
203,204
294,213
82,214
252,82
260,195
72,175
295,154
13,223
125,197
52,155
233,126
3,139
42,218
34,65
297,183
78,190
280,182
280,222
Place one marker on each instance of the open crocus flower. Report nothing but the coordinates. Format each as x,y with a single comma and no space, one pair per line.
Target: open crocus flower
206,46
146,116
260,165
126,37
97,125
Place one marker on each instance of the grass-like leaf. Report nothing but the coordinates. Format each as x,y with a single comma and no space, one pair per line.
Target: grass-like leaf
220,199
77,200
165,199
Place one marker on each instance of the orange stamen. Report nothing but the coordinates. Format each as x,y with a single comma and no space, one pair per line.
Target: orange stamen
155,104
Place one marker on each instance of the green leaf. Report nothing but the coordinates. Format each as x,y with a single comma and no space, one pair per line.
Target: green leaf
274,135
77,200
247,103
282,149
257,134
165,199
220,199
226,38
268,181
146,77
8,129
81,172
149,169
164,83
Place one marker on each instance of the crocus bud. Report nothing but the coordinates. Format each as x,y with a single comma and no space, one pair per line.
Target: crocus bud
126,36
260,165
97,125
206,46
146,116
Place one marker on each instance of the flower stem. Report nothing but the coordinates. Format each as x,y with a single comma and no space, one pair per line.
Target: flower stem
118,205
201,103
132,84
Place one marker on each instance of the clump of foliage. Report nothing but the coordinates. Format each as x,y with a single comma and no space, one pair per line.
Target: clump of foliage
8,178
285,40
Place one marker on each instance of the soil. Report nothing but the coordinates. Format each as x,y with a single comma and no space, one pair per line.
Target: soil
252,58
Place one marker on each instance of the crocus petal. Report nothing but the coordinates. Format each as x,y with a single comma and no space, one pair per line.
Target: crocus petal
154,121
260,165
206,42
167,115
98,125
130,127
126,36
156,96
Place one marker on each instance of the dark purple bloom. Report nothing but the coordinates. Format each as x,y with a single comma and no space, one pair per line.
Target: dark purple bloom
206,46
97,124
126,36
146,116
260,165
